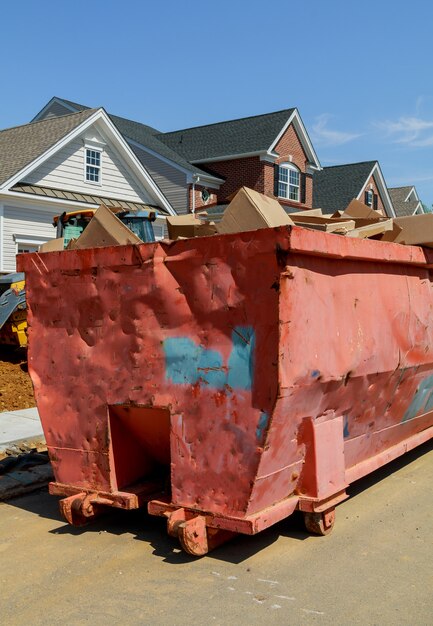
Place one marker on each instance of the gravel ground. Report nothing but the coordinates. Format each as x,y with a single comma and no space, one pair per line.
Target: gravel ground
16,390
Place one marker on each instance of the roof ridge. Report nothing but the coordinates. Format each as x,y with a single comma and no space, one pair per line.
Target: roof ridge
126,119
402,187
327,167
238,119
47,119
76,104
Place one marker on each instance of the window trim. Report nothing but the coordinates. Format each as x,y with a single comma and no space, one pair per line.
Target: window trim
91,148
370,194
24,240
290,167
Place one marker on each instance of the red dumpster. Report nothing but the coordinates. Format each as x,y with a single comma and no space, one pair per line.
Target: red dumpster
226,381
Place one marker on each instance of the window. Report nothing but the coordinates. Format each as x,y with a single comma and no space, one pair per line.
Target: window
93,166
27,247
289,182
369,198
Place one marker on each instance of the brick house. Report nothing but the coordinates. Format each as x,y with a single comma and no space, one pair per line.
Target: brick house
202,166
336,186
270,153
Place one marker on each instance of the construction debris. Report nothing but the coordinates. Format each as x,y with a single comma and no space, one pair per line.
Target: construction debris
189,226
251,210
248,210
413,230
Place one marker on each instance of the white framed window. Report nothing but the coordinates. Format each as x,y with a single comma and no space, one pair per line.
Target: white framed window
369,197
27,247
92,172
27,244
289,182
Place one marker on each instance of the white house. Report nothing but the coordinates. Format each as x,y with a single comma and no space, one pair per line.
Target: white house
63,163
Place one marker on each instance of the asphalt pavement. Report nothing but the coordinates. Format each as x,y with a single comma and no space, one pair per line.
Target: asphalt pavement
375,568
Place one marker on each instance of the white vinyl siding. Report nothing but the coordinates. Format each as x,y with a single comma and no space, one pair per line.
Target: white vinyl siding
170,180
65,170
32,225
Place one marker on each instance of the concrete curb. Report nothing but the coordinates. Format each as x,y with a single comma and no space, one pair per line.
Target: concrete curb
20,427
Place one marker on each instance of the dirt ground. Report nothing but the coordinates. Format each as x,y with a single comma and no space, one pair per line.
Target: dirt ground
16,390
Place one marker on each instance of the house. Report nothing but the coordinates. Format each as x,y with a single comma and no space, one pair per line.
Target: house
61,163
202,166
336,186
173,174
405,201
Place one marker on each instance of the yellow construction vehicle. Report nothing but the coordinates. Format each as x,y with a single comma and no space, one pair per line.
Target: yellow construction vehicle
13,314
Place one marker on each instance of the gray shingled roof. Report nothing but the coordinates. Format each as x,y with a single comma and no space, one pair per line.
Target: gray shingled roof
248,134
398,197
334,187
21,145
147,137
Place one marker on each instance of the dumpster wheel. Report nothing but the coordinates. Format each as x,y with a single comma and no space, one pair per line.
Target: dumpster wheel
78,510
320,523
195,537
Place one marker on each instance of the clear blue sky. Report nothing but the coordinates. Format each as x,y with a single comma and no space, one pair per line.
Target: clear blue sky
360,73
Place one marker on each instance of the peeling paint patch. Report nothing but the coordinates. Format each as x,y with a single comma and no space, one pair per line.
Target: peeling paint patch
241,360
261,426
315,374
187,363
422,402
346,427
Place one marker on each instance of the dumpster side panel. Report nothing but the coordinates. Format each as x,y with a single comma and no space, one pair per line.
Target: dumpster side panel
180,326
356,341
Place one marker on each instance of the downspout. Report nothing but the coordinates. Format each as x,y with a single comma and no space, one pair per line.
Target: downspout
195,179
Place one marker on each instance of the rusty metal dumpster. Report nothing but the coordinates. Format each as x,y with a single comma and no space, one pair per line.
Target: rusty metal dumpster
226,381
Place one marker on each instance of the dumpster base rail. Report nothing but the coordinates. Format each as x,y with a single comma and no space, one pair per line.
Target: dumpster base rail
81,506
199,532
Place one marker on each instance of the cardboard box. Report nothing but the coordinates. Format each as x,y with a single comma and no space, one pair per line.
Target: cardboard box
415,230
371,230
105,229
359,209
54,245
188,226
309,213
251,210
329,226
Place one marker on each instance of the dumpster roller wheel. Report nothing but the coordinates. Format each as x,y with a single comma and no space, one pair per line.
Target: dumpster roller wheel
320,523
78,510
196,538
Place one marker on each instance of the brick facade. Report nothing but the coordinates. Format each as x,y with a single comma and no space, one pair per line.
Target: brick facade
372,185
199,204
259,175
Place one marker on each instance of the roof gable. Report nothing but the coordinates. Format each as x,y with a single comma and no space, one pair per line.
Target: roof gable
334,187
21,145
404,206
25,148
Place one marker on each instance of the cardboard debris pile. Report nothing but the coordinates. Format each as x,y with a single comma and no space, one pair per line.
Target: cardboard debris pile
251,210
104,229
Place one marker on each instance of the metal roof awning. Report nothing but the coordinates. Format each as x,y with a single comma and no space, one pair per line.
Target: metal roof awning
74,196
